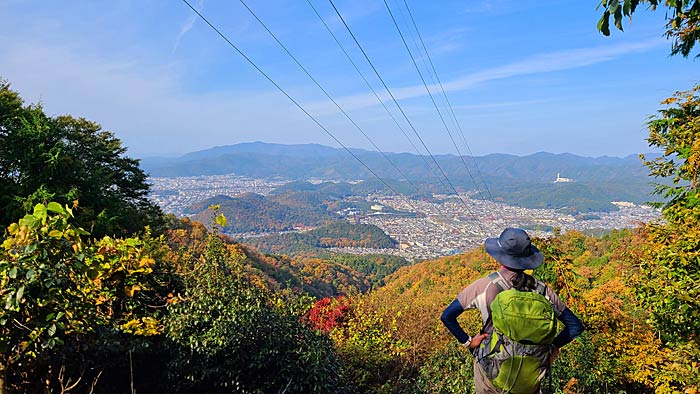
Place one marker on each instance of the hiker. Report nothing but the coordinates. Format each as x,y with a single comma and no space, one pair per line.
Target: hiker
514,357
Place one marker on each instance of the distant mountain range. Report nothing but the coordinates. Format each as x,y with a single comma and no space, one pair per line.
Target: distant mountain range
299,162
518,180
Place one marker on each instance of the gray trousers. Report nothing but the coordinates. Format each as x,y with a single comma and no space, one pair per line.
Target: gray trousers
482,383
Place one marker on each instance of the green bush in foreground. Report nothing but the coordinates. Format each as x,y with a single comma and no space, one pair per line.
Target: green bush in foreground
229,334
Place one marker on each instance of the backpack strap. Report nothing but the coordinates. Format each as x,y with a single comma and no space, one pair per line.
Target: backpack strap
498,281
501,285
542,289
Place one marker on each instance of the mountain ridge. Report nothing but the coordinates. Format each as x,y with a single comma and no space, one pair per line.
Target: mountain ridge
304,161
517,180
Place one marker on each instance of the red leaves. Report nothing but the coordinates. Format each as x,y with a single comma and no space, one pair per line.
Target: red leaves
328,313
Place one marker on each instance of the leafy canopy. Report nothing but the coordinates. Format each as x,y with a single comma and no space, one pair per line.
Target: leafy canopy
230,334
61,294
69,160
676,131
672,267
682,20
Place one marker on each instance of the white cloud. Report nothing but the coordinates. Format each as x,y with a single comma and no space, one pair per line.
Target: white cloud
479,7
541,63
555,61
145,107
188,25
352,11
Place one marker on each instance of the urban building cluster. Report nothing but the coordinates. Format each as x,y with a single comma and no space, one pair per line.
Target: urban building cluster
440,226
174,195
453,225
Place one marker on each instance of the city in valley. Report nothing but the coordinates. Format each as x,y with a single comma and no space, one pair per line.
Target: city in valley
445,225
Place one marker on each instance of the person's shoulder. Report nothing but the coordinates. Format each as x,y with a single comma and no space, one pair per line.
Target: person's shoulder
493,277
479,283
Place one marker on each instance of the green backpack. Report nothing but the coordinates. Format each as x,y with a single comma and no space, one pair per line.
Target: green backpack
517,356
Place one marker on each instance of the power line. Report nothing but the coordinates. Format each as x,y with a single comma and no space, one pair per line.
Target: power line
432,99
449,104
252,63
403,113
328,95
415,42
376,95
444,94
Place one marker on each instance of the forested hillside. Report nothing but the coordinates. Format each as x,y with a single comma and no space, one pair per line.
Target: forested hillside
340,234
314,246
295,205
252,212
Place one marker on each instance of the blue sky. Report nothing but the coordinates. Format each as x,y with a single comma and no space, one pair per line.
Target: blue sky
522,76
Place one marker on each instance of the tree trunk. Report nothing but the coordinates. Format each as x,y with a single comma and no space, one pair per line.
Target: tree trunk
47,381
3,373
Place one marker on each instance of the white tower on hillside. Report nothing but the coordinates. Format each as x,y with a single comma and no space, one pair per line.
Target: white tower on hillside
562,180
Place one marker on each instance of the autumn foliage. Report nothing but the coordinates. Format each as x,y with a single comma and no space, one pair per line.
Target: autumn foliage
194,311
328,313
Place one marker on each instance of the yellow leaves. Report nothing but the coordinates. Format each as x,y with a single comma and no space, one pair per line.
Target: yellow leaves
236,252
571,386
693,162
604,307
20,232
584,258
221,220
130,290
146,262
101,299
143,326
7,244
669,101
173,299
642,351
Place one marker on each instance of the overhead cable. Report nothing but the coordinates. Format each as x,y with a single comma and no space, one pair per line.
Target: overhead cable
295,102
315,81
376,95
449,104
432,99
403,112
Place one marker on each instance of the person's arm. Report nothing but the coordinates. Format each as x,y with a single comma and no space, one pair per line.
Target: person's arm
449,319
466,299
572,328
572,325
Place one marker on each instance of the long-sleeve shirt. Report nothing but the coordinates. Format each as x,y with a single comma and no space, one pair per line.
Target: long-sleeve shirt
479,295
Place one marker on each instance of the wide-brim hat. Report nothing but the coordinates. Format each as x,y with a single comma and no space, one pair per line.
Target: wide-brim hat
514,249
